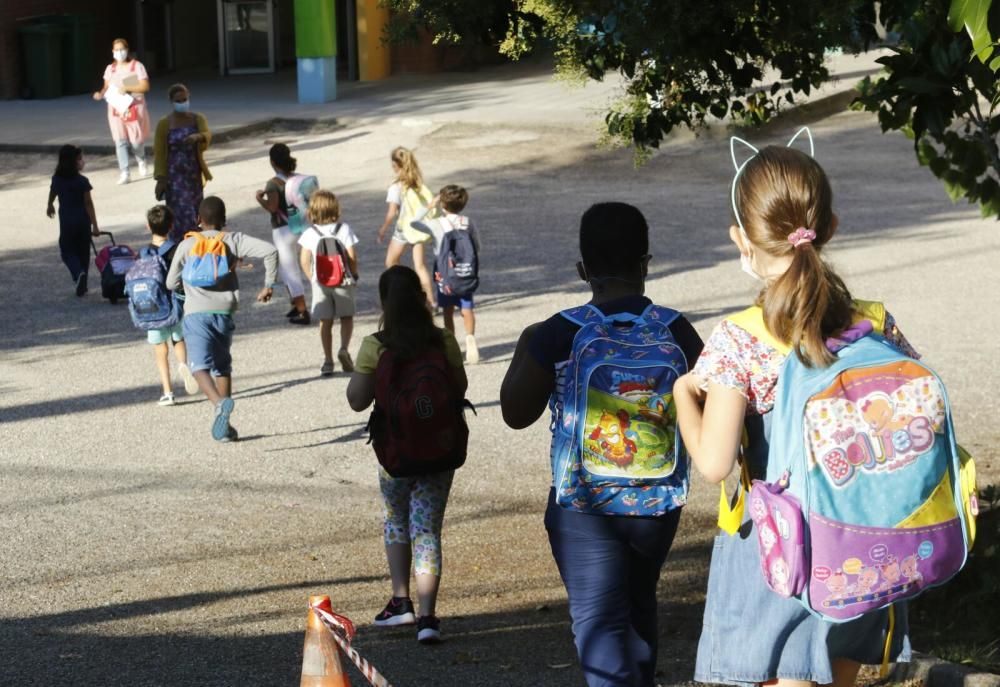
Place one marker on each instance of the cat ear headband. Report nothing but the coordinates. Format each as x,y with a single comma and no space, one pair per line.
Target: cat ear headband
741,165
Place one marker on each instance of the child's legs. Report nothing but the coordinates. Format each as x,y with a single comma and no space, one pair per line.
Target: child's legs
427,504
344,308
139,150
845,672
326,339
421,269
394,252
74,249
396,529
346,331
469,320
610,568
180,351
288,265
448,313
209,340
160,352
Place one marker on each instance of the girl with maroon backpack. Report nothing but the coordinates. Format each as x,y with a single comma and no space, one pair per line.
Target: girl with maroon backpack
424,408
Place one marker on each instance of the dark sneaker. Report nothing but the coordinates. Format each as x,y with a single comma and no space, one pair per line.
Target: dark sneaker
81,284
292,312
345,360
300,318
220,425
326,370
399,611
428,629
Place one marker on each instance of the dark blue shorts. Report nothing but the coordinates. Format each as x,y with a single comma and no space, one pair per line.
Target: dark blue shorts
455,300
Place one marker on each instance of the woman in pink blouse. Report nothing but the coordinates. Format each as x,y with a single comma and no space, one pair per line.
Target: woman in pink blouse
125,85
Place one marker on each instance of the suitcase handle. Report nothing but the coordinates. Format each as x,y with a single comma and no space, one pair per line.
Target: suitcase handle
102,233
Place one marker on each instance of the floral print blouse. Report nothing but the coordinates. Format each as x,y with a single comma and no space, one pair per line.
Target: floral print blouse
736,359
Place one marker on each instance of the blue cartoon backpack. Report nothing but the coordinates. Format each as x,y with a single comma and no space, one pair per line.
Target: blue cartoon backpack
868,499
150,303
615,443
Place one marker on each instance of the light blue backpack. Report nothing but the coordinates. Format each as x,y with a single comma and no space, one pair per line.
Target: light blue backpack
867,499
615,442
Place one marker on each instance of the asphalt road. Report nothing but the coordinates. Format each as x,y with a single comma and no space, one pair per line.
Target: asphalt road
134,550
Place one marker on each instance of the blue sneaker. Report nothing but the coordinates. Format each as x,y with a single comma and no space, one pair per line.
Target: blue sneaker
220,426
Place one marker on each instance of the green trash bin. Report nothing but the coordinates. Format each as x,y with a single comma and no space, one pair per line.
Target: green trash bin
79,65
42,59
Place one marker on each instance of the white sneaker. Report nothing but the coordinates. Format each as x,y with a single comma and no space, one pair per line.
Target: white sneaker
123,178
166,400
471,350
190,383
143,170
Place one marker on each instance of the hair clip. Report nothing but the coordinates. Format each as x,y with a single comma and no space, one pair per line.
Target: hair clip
801,236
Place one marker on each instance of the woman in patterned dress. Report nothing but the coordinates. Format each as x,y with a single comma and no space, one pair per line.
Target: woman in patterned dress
180,170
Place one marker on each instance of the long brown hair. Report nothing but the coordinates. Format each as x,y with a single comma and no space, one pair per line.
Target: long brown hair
779,191
407,326
409,171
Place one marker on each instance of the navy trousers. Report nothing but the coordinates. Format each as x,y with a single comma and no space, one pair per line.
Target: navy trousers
610,567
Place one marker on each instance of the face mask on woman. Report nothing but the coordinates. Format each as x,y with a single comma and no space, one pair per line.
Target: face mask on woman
182,107
119,55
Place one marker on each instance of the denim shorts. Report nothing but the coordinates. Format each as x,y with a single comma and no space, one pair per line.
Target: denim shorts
209,337
751,635
454,300
165,334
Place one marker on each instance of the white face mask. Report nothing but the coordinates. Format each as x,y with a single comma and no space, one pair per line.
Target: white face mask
119,55
747,267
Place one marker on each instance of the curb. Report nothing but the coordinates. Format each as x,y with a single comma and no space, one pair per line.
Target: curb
934,672
225,135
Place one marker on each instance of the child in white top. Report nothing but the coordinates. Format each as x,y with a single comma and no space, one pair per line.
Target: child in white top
329,302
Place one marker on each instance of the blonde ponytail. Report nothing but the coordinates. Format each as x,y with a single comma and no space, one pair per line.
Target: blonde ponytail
409,171
780,193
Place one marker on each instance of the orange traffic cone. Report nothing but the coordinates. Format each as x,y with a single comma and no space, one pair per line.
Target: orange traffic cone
320,655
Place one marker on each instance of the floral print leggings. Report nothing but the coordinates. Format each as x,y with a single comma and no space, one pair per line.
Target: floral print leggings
414,511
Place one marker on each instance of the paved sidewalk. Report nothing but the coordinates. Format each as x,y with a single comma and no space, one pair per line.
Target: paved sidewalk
511,93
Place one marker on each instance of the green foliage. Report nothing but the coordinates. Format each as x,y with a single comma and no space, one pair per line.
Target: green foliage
684,62
943,98
958,622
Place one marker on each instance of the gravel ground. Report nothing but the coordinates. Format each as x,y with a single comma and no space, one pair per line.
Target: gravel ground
136,551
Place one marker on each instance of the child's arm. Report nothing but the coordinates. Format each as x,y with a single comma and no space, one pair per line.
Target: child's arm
88,203
50,210
268,201
711,434
360,391
526,386
390,216
173,281
306,262
352,259
250,247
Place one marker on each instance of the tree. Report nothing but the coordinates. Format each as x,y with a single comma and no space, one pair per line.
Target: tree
742,60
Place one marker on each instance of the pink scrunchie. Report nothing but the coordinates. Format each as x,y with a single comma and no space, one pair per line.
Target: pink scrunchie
801,236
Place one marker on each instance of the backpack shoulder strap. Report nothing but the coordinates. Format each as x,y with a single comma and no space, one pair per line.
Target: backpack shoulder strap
658,313
583,315
165,248
751,321
873,311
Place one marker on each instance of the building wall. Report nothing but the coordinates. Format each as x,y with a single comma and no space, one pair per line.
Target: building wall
114,18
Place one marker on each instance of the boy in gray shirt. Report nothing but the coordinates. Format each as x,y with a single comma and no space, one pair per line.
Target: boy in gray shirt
208,310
